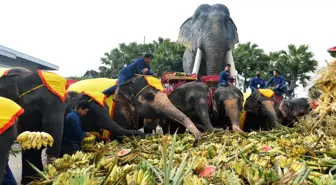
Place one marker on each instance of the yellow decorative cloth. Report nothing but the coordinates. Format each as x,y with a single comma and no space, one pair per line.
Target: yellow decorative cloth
55,83
96,96
242,119
3,71
10,111
266,92
154,82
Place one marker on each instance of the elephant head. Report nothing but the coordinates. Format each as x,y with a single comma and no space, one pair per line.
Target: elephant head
229,102
9,87
192,99
147,101
289,110
209,36
262,108
98,117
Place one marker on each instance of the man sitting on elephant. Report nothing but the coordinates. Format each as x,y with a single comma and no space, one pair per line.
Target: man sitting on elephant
224,76
73,134
279,83
257,82
139,66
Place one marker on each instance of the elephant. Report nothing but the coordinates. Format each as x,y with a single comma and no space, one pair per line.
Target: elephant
260,111
10,111
192,99
228,106
289,110
42,96
98,117
209,36
138,98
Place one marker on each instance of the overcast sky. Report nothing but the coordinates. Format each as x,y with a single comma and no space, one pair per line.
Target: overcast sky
75,34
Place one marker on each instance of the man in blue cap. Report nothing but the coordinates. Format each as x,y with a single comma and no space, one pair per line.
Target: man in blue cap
279,83
139,66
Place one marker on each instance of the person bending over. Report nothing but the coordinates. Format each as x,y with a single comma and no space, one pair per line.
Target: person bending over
139,66
73,134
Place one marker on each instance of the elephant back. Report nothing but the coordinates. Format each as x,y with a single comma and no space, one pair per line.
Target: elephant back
94,88
10,111
94,85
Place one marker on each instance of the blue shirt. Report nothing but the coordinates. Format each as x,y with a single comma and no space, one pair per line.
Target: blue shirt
224,77
72,131
279,80
255,82
136,68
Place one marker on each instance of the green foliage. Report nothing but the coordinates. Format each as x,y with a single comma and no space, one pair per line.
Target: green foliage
75,78
168,57
295,64
249,59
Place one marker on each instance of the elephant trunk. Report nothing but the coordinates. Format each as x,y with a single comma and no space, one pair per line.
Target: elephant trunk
269,111
232,111
202,111
163,105
214,53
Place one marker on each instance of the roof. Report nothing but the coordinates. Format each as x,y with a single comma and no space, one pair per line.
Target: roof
91,73
13,54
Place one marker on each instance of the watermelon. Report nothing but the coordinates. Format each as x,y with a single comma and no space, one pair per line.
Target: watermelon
124,152
208,171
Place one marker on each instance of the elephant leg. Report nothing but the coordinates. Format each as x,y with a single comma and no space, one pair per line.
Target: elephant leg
188,61
7,139
34,157
52,123
150,125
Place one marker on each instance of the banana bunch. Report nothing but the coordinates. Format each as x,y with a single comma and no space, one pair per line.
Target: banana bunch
35,140
88,142
64,162
117,173
297,166
281,161
140,177
106,163
193,179
254,175
51,171
321,179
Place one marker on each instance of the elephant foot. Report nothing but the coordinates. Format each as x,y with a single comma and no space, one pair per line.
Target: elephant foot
236,128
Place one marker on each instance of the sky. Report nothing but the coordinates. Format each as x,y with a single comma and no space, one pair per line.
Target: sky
75,34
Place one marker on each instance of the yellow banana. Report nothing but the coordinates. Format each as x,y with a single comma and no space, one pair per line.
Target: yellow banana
140,176
38,140
33,140
23,136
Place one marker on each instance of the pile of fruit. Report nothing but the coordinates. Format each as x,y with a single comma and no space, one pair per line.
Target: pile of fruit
219,158
324,116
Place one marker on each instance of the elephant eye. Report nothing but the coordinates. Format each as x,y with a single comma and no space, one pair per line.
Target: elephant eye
149,96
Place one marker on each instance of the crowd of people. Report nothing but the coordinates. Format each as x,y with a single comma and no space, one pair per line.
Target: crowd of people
278,81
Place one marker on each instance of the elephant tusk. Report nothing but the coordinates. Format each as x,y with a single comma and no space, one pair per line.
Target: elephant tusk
229,59
197,62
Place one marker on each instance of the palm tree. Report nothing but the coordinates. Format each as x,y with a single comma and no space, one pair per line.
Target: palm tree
295,64
249,58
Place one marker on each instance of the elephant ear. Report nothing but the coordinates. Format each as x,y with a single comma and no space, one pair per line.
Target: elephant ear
185,33
124,93
231,30
9,86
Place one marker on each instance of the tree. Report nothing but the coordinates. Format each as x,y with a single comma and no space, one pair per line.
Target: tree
117,58
249,59
295,64
168,56
75,78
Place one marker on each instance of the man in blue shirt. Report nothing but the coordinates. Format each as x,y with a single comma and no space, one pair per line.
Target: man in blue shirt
139,66
279,83
224,76
73,134
257,82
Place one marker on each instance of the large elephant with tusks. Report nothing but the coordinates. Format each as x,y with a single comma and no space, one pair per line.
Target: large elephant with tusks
209,36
